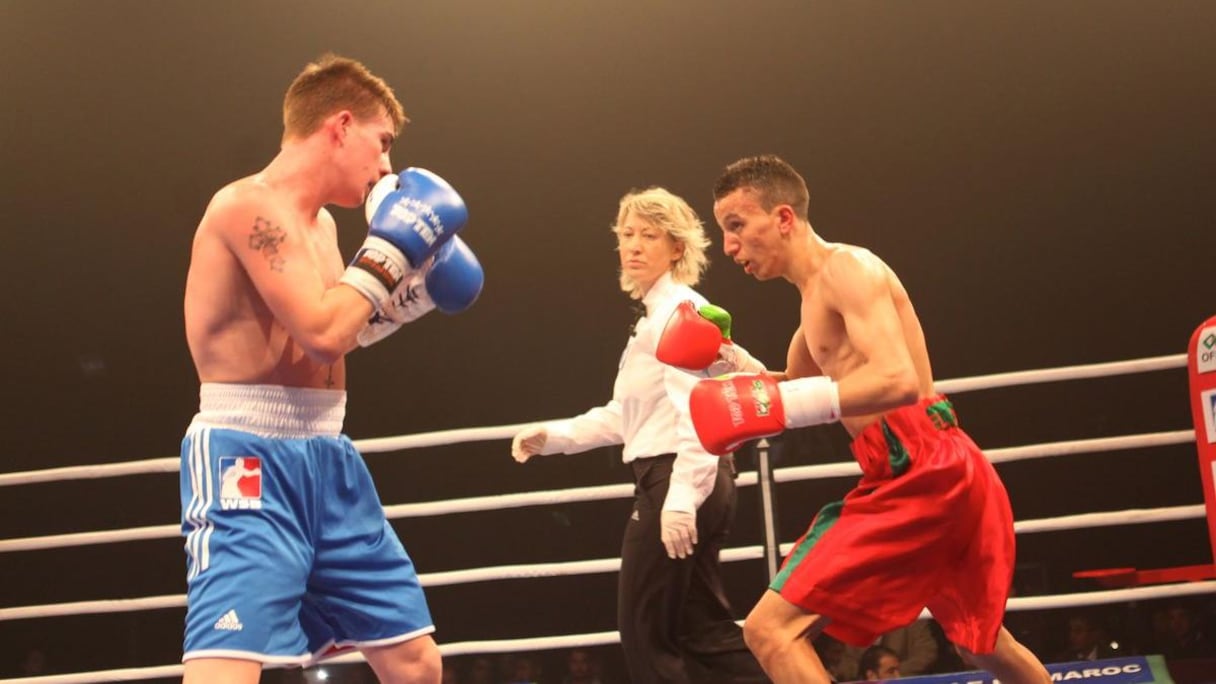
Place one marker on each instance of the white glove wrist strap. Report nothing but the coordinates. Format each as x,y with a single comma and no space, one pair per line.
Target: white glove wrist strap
377,269
748,363
810,401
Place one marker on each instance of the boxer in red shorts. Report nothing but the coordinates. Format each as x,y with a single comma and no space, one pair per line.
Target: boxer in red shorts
929,524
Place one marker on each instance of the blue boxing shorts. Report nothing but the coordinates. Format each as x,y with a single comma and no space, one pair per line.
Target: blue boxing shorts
288,551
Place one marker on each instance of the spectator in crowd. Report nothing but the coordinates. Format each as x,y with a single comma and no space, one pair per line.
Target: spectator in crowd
481,670
1087,639
879,663
831,652
581,668
1187,636
914,645
522,668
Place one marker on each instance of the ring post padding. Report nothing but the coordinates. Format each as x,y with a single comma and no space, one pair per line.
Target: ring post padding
1201,366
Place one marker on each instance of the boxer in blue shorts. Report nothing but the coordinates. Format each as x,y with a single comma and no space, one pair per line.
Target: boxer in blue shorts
291,505
289,554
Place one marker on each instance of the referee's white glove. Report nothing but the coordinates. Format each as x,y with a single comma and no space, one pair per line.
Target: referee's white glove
679,532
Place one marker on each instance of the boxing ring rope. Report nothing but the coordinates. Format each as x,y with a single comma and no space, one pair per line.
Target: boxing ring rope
481,503
608,565
559,496
604,565
482,434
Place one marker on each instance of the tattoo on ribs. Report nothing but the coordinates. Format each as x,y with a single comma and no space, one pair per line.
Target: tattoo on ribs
266,239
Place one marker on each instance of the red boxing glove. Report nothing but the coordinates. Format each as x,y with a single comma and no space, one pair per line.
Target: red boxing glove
698,340
734,409
689,341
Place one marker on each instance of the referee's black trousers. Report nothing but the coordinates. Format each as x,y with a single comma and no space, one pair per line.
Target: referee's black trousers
675,621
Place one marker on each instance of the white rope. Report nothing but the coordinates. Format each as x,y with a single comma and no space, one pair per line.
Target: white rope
439,438
1095,598
543,498
1092,370
612,491
1007,454
173,464
1090,598
817,472
89,472
526,571
606,565
478,503
481,434
603,565
428,580
535,570
56,541
1089,446
483,503
531,644
619,491
94,607
1134,516
129,674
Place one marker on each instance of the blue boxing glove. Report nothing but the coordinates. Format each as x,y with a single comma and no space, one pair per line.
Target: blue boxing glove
450,282
410,217
455,278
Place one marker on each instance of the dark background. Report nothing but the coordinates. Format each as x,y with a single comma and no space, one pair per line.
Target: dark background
1040,174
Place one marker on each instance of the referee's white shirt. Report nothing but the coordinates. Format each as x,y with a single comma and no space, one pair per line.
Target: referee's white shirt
649,408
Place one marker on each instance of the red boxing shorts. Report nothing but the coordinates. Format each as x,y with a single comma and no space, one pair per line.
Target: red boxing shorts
928,525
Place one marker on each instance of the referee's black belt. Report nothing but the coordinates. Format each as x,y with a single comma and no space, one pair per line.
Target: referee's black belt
643,463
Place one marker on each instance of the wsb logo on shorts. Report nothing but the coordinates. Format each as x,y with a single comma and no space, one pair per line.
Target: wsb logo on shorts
240,483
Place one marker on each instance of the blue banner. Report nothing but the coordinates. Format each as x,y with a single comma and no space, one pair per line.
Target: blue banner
1134,670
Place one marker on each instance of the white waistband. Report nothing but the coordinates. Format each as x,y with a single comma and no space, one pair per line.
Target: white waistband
271,410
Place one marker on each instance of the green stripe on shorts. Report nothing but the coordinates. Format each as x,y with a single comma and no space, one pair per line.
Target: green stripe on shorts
897,454
828,515
942,414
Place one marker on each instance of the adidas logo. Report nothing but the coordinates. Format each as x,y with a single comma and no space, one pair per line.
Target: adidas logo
635,516
230,622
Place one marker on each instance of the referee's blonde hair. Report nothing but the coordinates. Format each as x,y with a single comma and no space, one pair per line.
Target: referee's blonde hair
671,214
